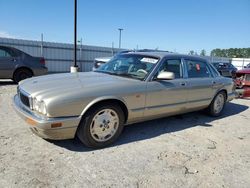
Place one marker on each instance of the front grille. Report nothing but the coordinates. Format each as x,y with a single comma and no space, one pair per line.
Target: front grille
24,99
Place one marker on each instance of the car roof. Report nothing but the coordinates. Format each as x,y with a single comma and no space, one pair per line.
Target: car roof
7,47
162,54
15,50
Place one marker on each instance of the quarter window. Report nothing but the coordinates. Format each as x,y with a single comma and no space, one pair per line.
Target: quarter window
214,70
172,65
197,69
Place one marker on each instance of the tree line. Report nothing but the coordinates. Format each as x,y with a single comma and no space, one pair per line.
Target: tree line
230,53
202,53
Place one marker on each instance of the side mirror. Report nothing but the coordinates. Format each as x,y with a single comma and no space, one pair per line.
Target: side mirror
165,76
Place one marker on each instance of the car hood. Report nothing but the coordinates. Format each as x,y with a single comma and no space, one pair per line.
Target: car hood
244,71
55,84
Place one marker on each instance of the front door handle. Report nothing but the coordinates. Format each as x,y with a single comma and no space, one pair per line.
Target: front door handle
183,83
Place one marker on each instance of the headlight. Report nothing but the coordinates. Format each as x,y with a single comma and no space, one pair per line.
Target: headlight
43,108
39,106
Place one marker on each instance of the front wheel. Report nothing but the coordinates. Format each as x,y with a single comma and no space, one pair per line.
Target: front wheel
101,126
217,105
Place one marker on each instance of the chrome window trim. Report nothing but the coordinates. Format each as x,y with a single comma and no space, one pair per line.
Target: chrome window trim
214,70
185,73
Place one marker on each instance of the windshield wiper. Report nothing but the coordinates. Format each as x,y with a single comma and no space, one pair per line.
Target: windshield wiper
133,76
105,72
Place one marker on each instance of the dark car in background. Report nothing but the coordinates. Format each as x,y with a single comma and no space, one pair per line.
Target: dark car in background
225,69
18,65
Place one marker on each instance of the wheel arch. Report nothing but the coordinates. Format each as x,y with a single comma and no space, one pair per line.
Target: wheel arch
221,90
23,67
107,100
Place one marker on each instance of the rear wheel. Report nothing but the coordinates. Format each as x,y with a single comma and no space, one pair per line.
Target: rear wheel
21,74
101,126
217,105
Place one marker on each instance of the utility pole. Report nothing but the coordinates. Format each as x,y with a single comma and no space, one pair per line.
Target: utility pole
112,49
74,68
120,36
80,59
41,44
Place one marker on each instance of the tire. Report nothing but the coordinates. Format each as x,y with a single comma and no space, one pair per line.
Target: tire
107,119
216,107
21,74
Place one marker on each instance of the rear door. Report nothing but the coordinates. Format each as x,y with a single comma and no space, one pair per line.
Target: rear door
200,84
166,97
7,63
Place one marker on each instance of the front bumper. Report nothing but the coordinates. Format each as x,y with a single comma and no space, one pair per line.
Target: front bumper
43,126
231,96
244,92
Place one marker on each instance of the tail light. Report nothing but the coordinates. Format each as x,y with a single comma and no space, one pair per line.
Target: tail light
42,61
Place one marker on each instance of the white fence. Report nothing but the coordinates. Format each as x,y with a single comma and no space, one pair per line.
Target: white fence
240,63
59,56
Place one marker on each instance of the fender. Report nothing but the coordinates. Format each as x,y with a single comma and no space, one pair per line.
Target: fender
222,87
100,99
21,67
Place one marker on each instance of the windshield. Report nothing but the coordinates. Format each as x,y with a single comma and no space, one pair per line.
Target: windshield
129,65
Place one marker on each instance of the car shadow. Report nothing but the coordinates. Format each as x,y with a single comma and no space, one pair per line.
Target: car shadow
154,128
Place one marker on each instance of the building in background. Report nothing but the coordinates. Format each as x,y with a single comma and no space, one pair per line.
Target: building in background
59,56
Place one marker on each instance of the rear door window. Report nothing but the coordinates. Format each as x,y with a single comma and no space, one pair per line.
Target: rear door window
197,69
4,53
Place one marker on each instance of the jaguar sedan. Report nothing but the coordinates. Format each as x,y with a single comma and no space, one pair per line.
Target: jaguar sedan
130,88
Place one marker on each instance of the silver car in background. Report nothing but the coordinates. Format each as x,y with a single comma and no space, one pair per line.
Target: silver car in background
99,61
18,65
130,88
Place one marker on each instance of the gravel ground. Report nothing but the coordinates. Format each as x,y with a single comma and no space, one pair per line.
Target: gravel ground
192,150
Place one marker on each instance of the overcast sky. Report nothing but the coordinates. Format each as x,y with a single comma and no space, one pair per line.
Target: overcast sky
177,25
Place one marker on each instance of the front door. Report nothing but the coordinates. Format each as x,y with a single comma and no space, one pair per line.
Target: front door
166,97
